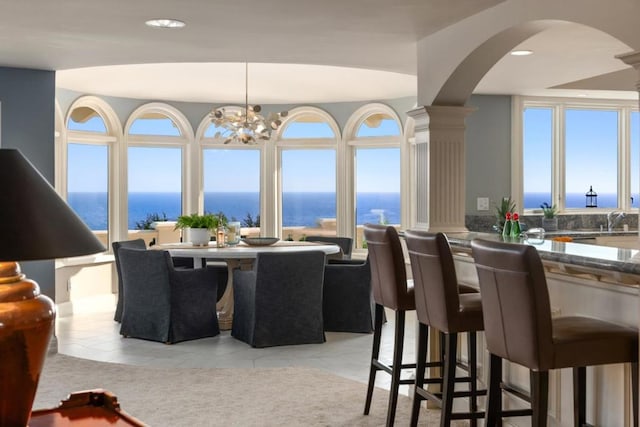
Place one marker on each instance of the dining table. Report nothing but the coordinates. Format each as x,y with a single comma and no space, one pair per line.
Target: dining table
240,256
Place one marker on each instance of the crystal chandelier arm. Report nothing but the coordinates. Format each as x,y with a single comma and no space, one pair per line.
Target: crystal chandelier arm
246,92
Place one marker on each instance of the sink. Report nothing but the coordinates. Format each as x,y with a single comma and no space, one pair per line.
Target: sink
586,240
627,242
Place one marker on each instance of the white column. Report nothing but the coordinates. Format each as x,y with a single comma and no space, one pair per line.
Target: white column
440,167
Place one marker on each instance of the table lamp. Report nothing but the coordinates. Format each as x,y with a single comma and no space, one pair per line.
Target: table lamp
35,224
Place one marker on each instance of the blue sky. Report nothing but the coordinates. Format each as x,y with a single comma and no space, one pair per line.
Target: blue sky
159,169
591,139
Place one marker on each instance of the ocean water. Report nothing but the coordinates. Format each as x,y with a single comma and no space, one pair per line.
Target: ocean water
299,209
575,200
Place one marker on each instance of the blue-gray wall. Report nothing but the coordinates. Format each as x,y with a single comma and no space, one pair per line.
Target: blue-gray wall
27,105
488,151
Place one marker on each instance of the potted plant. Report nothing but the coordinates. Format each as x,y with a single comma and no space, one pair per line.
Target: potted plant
506,205
549,218
199,226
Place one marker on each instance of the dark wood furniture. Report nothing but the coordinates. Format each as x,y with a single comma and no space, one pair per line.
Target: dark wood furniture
91,408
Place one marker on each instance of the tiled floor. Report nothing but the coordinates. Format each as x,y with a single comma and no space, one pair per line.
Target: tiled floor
96,336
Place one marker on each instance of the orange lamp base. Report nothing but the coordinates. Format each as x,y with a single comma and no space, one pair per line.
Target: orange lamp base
26,325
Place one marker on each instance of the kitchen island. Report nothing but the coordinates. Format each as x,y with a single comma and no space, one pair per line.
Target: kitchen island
583,279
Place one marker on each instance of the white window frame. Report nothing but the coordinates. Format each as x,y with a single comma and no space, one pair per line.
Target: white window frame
112,139
204,143
281,144
558,161
352,142
184,141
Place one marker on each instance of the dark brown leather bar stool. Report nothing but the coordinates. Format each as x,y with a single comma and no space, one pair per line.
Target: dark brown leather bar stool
519,328
390,290
441,305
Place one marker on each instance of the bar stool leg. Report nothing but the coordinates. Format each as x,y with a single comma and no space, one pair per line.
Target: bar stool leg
493,416
579,396
449,382
421,362
634,392
473,374
539,397
377,334
396,369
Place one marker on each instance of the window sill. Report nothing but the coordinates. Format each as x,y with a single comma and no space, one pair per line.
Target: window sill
88,260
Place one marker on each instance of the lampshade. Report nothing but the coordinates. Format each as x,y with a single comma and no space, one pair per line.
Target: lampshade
35,223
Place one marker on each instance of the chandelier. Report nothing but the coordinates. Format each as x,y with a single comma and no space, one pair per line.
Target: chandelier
246,126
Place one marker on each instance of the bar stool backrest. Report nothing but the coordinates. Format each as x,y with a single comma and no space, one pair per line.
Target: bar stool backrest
388,274
434,278
515,303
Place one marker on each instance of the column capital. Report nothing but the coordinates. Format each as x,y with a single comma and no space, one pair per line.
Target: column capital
421,128
438,117
422,114
633,59
630,58
445,116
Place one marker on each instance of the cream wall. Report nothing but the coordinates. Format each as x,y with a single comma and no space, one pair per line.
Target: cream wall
440,55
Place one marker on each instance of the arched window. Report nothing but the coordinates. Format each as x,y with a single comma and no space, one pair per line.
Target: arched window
157,135
375,138
378,125
86,164
231,176
307,159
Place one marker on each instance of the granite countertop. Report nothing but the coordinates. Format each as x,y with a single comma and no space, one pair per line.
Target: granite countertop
590,233
592,256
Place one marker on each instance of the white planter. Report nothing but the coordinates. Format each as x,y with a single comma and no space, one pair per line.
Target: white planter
199,236
550,224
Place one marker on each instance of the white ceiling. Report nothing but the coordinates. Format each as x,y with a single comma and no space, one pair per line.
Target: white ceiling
365,49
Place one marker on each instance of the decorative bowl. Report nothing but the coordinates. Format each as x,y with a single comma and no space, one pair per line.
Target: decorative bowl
260,241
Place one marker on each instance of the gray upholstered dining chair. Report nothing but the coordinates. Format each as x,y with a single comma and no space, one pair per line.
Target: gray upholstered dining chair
345,243
131,244
164,304
347,302
279,301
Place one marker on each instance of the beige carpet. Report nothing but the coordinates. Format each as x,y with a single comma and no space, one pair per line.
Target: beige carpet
224,397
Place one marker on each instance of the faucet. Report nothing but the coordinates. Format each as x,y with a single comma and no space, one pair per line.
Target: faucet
613,218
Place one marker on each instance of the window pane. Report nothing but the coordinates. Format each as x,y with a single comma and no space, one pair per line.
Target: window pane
536,156
154,124
378,125
635,159
591,150
88,185
155,183
232,185
308,192
86,119
309,126
377,187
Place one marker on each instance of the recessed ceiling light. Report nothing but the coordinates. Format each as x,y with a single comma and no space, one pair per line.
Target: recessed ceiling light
165,23
521,52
